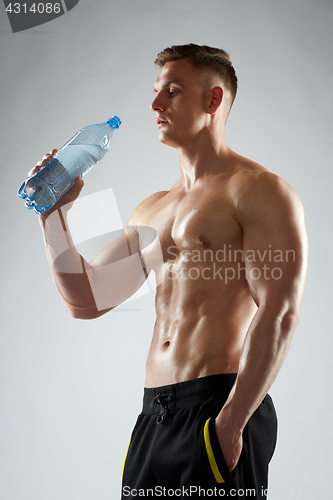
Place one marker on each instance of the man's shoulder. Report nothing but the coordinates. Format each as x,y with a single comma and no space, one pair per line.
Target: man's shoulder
144,208
151,200
258,191
252,180
248,171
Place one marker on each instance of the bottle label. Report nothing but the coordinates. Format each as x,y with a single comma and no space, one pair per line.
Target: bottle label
55,176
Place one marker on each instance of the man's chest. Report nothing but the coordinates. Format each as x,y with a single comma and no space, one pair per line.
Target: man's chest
202,218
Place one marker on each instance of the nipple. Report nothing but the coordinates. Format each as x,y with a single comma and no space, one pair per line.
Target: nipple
203,241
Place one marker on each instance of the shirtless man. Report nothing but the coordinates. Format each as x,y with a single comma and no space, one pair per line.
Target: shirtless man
228,299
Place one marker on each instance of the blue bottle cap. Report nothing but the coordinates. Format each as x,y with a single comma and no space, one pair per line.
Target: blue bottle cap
114,122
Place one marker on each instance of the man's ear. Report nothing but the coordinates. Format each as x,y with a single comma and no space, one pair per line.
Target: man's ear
216,96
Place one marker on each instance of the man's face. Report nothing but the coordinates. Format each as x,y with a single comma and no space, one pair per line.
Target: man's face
180,104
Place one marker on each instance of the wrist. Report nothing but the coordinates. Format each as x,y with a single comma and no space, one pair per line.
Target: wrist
236,416
48,218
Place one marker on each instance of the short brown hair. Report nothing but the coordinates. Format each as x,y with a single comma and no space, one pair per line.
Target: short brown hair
202,56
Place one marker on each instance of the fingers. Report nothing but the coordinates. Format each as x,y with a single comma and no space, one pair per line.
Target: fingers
68,199
76,189
78,185
46,158
72,193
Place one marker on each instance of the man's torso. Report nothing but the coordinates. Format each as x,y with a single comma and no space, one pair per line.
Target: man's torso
203,302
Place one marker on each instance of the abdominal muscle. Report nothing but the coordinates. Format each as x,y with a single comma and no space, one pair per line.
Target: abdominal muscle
200,326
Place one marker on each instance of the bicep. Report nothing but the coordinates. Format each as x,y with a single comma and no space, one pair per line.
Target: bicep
275,245
133,239
125,245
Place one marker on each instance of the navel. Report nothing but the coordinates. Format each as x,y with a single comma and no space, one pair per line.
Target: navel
203,241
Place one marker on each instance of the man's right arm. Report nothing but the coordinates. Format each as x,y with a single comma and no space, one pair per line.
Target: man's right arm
89,289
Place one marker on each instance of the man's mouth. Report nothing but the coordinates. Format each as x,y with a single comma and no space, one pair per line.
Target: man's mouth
160,121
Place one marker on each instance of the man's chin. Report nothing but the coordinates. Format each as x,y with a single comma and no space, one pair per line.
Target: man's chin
167,140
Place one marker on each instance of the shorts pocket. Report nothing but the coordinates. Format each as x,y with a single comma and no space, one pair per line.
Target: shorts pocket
214,453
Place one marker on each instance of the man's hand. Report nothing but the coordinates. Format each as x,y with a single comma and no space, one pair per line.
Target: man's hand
230,438
68,197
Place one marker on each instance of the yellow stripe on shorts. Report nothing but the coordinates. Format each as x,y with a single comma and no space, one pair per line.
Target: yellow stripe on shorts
122,472
211,458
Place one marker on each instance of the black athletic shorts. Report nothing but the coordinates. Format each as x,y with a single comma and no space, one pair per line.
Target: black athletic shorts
174,451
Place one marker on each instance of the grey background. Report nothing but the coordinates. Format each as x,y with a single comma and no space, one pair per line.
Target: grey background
70,390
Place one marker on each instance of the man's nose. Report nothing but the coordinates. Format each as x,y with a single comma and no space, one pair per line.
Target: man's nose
157,104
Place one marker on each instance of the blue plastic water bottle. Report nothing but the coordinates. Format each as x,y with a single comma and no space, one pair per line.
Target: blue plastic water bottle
89,145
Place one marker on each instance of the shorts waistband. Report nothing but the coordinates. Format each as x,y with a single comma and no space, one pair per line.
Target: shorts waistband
186,394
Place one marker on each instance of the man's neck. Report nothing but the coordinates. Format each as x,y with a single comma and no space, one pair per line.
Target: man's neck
204,156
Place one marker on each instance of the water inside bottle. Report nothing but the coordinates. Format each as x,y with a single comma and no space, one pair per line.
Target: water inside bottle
80,158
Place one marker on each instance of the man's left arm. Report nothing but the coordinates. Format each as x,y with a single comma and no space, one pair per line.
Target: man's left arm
275,253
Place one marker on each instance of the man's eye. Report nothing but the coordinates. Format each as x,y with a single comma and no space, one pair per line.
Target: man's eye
172,93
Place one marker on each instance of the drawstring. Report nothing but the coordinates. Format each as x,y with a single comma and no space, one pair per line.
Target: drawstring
162,401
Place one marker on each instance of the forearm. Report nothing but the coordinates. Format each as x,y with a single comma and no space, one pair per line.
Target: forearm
68,267
265,349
